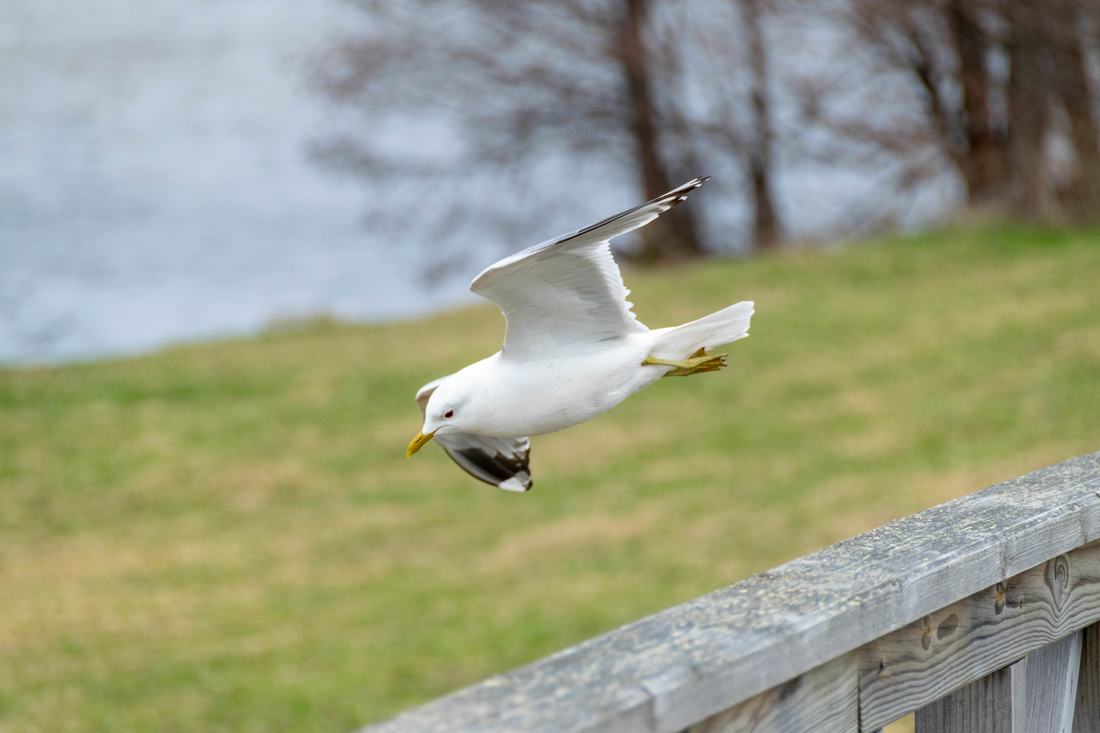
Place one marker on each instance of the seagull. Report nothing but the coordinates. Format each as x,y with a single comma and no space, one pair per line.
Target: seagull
572,350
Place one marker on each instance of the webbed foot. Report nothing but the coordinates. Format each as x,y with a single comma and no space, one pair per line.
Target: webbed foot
697,363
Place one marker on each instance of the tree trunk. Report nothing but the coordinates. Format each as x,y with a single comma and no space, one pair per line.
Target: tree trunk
984,162
765,222
1028,109
672,237
1081,194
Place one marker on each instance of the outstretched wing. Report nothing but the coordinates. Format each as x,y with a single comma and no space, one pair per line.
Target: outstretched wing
502,462
566,294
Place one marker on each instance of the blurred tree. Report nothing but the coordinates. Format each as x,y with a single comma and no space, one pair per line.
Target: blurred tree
1031,194
535,80
1048,94
992,127
1065,22
983,158
672,237
995,91
765,222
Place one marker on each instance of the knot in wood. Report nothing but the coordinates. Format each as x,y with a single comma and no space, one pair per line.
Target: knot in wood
1057,578
948,626
1000,594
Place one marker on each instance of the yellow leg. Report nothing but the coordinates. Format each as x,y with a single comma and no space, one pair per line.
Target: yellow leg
697,363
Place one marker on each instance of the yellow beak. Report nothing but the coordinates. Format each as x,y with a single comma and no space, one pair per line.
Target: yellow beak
418,442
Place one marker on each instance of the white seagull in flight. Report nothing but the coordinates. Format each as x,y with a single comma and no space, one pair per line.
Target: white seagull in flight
572,350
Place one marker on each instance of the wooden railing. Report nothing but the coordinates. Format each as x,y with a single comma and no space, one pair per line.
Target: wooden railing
980,614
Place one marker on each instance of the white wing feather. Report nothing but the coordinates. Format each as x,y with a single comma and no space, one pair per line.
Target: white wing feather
567,294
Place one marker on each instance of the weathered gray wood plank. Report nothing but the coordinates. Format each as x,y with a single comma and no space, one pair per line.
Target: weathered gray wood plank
675,668
824,700
1086,715
957,644
995,703
1052,685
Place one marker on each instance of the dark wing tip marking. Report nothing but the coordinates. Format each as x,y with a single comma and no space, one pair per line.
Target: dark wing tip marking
495,465
683,191
670,199
504,469
673,197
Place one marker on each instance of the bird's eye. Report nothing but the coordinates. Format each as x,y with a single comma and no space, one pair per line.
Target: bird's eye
449,413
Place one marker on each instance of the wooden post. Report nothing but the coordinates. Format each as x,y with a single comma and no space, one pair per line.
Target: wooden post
1086,715
1052,685
995,703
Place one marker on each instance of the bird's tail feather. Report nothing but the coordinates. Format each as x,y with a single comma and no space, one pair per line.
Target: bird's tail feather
728,324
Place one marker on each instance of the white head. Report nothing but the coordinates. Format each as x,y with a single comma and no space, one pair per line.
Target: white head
451,408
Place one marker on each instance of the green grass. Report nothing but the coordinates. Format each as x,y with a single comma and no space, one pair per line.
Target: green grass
228,537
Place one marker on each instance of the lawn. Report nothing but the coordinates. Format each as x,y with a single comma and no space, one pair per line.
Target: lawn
228,537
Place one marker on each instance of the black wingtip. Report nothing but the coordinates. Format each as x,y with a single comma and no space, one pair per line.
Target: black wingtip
680,194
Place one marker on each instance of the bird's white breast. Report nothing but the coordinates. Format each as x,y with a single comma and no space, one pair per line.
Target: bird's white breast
517,398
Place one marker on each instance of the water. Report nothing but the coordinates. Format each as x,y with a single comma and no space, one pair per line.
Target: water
154,184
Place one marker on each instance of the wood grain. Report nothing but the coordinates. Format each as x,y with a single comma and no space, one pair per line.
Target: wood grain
954,646
668,671
824,700
995,703
1086,716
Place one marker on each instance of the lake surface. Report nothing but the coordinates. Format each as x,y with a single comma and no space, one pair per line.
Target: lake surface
155,186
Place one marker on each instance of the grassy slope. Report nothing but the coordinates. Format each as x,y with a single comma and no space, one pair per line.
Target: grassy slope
227,537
